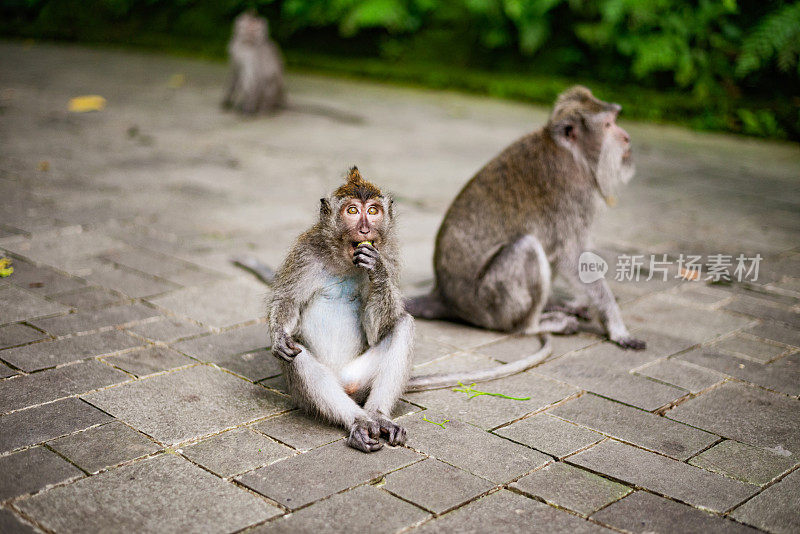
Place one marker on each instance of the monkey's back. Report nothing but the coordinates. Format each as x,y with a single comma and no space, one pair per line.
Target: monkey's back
532,187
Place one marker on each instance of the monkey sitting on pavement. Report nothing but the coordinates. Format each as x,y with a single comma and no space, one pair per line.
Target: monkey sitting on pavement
336,316
256,84
525,217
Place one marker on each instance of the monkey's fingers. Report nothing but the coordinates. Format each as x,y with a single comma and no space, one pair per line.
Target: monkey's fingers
394,433
631,343
360,439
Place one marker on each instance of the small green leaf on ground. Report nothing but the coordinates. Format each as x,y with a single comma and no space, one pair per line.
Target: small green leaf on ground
472,393
435,423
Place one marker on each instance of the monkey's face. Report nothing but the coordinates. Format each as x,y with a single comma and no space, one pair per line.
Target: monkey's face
250,28
361,221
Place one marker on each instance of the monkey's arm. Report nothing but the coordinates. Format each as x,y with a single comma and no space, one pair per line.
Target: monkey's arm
383,305
295,284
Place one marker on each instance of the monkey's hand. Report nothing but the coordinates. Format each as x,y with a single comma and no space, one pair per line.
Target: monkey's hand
367,257
284,347
364,435
628,342
391,431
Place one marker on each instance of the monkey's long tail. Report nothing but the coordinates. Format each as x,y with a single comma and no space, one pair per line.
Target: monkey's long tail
261,270
446,380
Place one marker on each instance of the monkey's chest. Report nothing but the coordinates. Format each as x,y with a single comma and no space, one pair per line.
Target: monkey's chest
331,323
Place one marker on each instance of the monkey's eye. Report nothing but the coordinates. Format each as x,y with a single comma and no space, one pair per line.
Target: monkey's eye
372,210
352,210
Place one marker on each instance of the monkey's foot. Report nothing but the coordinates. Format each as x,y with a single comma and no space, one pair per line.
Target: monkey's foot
364,436
630,343
393,433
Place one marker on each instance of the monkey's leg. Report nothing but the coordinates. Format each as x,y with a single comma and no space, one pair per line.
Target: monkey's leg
429,306
383,370
316,387
602,297
514,288
227,101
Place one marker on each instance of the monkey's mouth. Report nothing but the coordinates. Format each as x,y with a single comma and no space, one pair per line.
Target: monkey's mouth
627,155
355,244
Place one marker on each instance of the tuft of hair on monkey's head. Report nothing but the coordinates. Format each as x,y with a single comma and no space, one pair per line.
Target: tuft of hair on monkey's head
579,101
357,187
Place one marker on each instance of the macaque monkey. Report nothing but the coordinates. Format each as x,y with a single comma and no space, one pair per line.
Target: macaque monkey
336,316
257,67
525,217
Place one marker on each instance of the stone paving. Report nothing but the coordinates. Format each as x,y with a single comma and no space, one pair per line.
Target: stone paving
137,392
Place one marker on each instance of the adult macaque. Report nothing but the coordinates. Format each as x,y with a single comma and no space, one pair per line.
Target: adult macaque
257,67
336,316
524,218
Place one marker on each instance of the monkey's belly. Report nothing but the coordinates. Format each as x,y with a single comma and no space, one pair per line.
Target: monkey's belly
331,323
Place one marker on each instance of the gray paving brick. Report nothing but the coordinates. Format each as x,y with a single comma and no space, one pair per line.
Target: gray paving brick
356,510
65,247
487,455
659,313
146,261
167,329
572,488
456,335
86,321
6,371
337,467
665,476
130,283
43,280
42,423
697,294
745,462
13,524
681,374
149,360
746,414
764,309
514,512
89,298
53,384
550,434
776,508
747,347
103,446
188,403
31,470
225,303
645,513
782,375
51,353
19,305
513,348
489,411
444,487
236,451
427,349
162,494
776,332
604,369
635,426
299,430
241,350
18,334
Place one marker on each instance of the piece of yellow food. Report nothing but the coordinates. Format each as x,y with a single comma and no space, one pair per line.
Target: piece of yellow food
81,104
5,267
364,243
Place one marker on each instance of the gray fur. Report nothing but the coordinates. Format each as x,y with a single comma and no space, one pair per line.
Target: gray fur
339,323
525,217
256,68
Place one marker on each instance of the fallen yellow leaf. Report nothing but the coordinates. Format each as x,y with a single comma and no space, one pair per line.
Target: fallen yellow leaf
44,166
81,104
176,81
5,267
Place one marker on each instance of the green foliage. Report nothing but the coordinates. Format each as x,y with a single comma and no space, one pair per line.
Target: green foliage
777,36
717,64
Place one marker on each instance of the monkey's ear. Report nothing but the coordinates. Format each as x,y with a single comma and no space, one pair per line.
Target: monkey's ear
324,207
565,133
